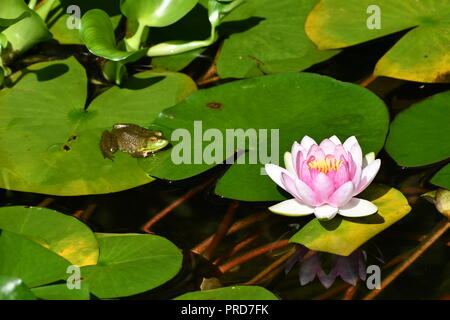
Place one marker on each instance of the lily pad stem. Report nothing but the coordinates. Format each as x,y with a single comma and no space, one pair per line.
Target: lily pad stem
133,43
44,8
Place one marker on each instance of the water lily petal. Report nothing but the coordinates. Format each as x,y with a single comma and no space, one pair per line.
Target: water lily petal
315,153
288,163
335,140
356,153
349,143
295,151
342,176
292,208
367,176
342,195
274,172
289,183
327,146
323,186
307,195
358,208
307,142
325,212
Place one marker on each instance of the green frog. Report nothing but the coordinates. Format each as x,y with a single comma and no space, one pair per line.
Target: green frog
139,142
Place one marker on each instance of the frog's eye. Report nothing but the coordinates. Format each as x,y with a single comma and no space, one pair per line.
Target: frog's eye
153,139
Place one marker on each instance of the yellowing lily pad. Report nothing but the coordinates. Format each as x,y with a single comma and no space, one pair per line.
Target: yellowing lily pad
421,55
342,236
60,233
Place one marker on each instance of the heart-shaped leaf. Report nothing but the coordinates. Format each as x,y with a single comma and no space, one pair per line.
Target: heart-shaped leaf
420,135
421,55
342,236
50,143
97,34
268,37
296,104
230,293
131,264
25,259
156,13
64,22
55,231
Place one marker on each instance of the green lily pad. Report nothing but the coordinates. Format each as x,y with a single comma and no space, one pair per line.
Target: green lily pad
25,259
131,264
420,135
156,13
62,292
421,55
342,236
268,37
296,104
442,177
230,293
60,233
50,144
12,288
58,21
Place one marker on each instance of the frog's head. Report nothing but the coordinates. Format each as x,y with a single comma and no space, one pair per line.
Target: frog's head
155,143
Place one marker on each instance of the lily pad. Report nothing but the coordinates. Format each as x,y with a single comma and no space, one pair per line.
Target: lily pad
421,55
50,143
342,236
266,37
25,259
12,288
442,177
296,104
131,264
62,292
62,234
420,135
230,293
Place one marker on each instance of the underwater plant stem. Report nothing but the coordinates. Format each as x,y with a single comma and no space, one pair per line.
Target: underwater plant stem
211,74
241,224
368,81
147,226
46,202
271,267
253,254
350,292
222,230
241,245
431,238
84,215
208,81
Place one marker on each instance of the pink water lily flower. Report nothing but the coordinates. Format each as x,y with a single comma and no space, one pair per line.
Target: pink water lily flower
324,179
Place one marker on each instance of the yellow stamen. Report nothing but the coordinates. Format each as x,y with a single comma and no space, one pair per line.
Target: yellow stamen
325,165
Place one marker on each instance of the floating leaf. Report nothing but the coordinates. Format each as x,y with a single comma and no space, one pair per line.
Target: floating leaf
268,37
50,144
230,293
342,236
297,104
131,264
421,55
420,135
156,13
12,288
62,234
25,259
62,292
442,177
